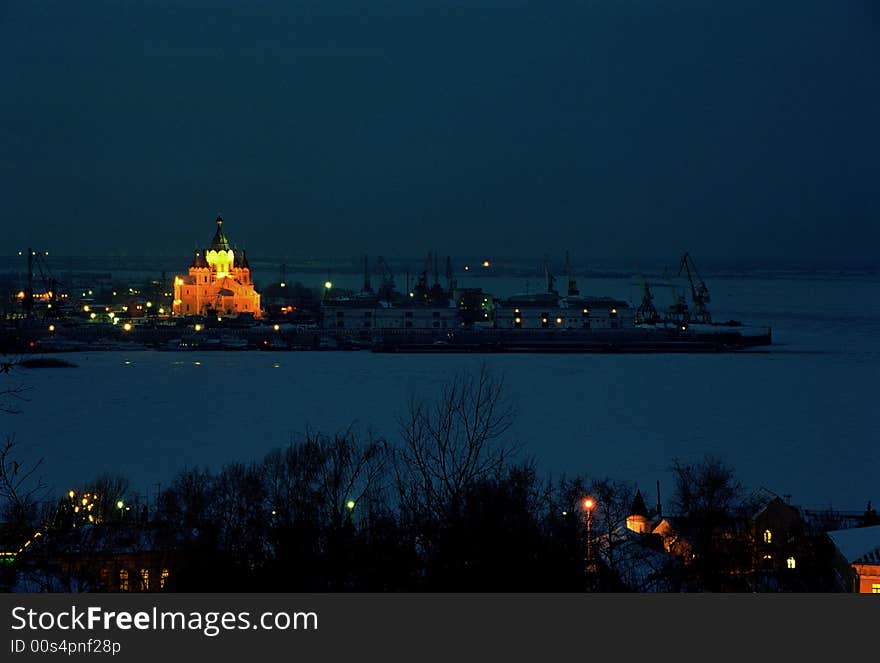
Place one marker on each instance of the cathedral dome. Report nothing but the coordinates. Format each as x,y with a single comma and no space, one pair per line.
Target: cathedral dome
220,243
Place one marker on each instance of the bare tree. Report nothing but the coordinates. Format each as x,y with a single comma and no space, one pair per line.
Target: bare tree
706,491
11,395
454,441
350,473
613,500
707,496
21,489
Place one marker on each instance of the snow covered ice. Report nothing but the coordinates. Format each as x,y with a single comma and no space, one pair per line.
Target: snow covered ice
799,418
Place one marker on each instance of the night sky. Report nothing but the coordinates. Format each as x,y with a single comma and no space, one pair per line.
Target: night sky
618,129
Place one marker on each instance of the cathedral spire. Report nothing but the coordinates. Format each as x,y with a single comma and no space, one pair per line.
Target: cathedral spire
198,259
220,243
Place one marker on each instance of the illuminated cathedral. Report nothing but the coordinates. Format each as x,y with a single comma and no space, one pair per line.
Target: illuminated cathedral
218,283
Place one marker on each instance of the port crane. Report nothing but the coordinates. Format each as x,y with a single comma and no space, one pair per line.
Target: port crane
386,290
572,284
647,313
699,291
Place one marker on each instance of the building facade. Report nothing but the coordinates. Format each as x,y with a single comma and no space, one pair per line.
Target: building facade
218,282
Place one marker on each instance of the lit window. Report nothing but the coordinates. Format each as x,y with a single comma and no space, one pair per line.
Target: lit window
123,580
145,580
875,588
163,578
791,563
768,556
768,536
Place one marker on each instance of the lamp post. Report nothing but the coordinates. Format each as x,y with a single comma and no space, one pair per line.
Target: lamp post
589,504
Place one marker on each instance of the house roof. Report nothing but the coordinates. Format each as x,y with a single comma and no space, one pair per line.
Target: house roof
638,507
860,545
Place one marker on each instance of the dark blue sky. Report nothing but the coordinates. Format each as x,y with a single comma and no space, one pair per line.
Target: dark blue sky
616,129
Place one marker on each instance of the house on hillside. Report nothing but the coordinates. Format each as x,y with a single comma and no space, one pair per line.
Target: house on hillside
860,548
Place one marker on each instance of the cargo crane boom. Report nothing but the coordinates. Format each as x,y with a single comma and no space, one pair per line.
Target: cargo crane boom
699,291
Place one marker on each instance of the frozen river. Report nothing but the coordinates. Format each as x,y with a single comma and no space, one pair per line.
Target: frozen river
799,419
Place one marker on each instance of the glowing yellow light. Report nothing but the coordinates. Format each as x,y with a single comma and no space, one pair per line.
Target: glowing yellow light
86,308
149,304
20,294
219,319
614,311
91,518
467,268
90,292
683,328
276,327
558,321
161,311
586,310
328,284
71,494
120,504
85,500
51,328
588,503
350,504
178,281
791,563
485,263
198,328
127,326
92,316
517,320
76,509
283,284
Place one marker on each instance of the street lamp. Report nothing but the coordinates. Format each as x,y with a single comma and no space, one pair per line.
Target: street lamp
589,505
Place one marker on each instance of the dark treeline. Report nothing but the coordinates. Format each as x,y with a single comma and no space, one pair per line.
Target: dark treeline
449,507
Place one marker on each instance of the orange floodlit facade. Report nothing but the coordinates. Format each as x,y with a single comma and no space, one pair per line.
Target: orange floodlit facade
219,281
